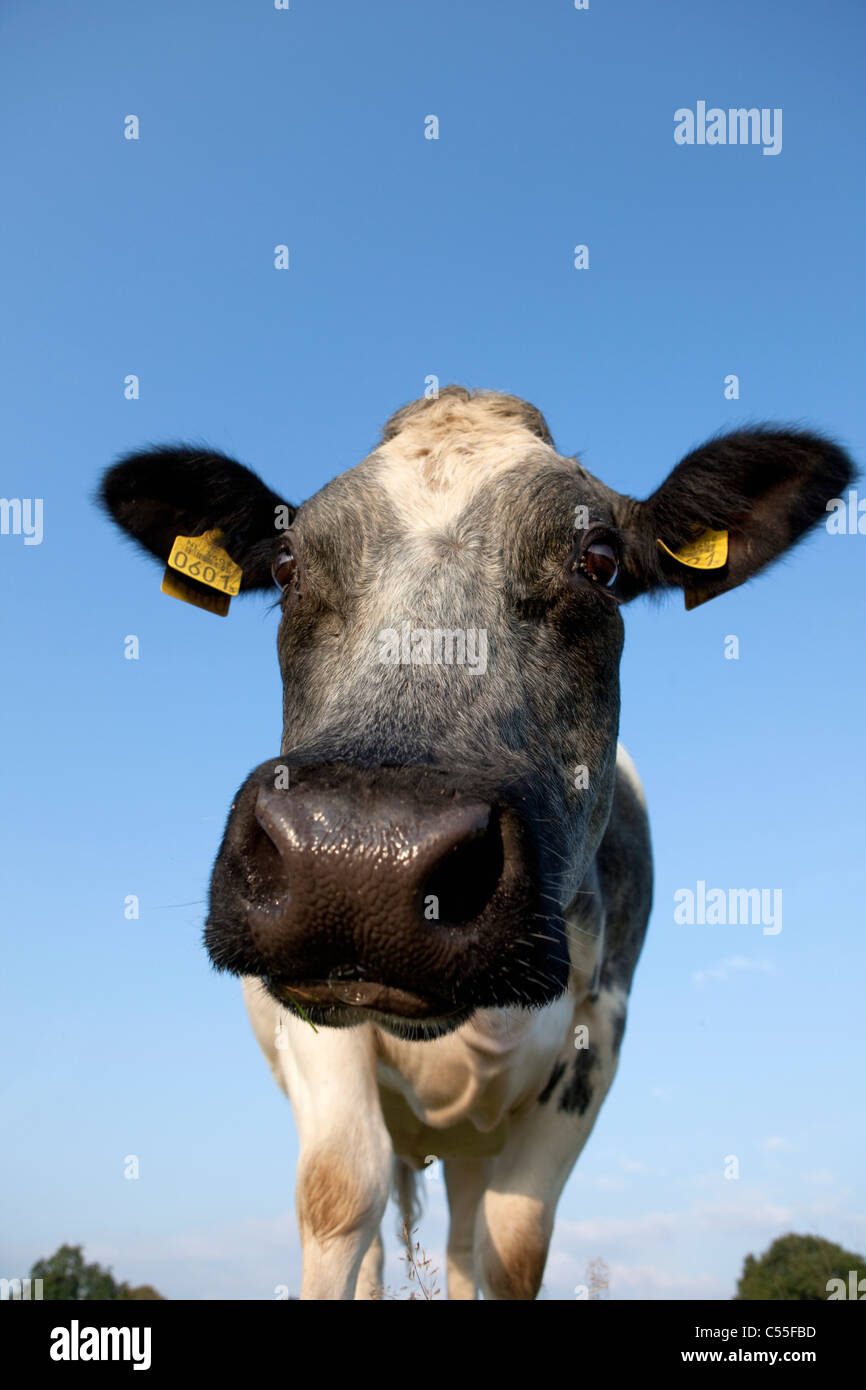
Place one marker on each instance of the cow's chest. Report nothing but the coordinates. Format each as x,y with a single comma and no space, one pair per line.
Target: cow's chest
420,1144
459,1091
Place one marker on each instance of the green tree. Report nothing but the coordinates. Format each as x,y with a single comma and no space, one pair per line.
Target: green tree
140,1292
797,1268
66,1277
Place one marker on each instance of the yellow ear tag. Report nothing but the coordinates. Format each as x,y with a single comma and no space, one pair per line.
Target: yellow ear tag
198,564
708,551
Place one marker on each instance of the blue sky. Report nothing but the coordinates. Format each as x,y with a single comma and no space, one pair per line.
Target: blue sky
412,257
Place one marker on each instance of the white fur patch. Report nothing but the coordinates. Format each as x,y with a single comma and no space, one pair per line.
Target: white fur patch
627,768
438,462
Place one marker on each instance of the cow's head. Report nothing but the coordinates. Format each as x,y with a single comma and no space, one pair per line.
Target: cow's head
449,642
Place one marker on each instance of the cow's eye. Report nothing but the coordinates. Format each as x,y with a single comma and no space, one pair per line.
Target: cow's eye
599,563
284,568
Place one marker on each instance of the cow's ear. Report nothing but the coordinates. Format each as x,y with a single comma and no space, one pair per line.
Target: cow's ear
729,509
162,493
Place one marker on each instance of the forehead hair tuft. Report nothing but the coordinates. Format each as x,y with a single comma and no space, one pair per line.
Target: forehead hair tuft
456,406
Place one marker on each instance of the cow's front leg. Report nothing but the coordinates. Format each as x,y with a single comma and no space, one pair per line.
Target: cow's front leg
370,1285
515,1215
344,1168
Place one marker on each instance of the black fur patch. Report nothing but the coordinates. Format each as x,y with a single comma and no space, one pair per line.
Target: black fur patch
577,1094
618,1031
767,486
552,1083
157,494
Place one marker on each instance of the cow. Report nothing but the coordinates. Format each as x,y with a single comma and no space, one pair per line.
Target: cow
436,895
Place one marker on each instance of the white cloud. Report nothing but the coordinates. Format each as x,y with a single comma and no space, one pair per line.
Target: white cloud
646,1280
823,1177
628,1231
741,1211
695,1252
732,965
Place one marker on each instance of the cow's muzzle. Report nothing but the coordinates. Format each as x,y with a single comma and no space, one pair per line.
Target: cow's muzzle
385,893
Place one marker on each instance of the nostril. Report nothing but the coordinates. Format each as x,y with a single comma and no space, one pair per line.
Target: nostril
264,869
466,877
